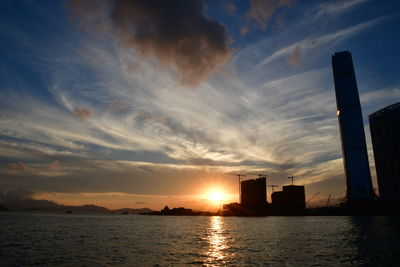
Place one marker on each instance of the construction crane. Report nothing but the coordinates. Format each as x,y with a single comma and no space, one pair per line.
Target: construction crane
273,186
239,176
311,198
329,199
259,175
291,177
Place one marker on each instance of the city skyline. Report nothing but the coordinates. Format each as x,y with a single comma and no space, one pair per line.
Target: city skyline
91,117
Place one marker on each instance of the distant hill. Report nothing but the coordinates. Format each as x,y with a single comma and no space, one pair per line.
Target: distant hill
21,200
50,206
131,211
86,209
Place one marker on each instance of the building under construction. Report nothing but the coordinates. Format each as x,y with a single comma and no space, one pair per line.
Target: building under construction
254,193
291,200
253,200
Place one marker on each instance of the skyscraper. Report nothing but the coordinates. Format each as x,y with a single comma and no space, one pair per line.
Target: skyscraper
385,135
354,149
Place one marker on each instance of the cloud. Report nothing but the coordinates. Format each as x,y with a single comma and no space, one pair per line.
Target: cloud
306,44
261,11
15,195
383,95
280,22
117,104
83,113
294,58
231,8
337,7
31,150
20,166
128,177
175,33
54,165
244,30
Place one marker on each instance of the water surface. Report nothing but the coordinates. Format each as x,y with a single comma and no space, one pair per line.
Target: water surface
126,240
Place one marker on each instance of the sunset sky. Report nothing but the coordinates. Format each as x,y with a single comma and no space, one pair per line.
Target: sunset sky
141,104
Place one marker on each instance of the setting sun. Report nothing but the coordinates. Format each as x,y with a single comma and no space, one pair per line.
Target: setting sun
216,196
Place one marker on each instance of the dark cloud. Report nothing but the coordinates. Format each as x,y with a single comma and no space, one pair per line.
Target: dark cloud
175,33
82,113
21,199
17,194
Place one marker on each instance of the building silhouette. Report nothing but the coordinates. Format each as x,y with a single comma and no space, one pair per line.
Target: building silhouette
291,199
354,149
253,198
385,135
254,193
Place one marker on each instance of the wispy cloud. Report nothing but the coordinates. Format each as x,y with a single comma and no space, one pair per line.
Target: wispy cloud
261,12
20,166
307,44
294,58
83,113
54,165
337,7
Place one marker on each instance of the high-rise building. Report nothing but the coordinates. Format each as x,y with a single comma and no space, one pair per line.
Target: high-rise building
354,149
254,193
385,135
291,199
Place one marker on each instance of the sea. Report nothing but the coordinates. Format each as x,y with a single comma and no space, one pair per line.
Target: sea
34,239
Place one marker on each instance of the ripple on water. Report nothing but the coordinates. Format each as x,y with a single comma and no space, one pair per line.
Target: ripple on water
83,240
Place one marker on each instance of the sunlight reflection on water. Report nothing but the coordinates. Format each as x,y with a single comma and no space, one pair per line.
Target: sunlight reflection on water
217,240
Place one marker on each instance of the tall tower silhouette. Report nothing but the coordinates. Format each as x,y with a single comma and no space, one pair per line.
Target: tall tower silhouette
385,135
354,148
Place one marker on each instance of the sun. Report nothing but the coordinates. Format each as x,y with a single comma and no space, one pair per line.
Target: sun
216,196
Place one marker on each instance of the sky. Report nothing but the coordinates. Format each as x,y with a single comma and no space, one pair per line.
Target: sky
152,103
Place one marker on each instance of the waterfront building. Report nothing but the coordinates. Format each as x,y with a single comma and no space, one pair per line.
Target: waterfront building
385,135
354,149
291,199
